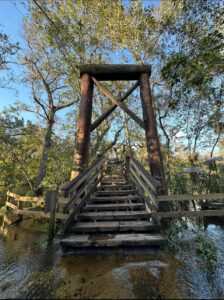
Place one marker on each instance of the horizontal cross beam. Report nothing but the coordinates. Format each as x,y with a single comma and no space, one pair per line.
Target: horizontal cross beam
115,72
118,103
112,108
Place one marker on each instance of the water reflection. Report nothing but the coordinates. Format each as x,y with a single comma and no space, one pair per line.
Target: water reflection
31,267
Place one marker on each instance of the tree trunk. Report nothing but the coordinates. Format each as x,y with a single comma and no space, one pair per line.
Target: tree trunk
152,139
44,156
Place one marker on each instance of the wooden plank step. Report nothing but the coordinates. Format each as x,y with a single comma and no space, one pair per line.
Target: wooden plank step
113,179
148,226
113,215
115,187
110,182
116,199
114,193
103,207
120,226
113,240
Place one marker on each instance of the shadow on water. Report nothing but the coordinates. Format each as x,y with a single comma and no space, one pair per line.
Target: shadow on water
32,267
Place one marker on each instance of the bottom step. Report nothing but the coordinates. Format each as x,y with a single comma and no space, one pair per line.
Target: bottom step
112,240
119,226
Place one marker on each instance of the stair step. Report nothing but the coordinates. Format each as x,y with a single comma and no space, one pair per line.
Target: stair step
115,187
109,182
113,240
103,207
116,199
118,226
113,177
113,215
114,193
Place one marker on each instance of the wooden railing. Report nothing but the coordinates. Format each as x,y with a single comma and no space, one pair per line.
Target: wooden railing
149,189
27,206
201,199
79,189
146,184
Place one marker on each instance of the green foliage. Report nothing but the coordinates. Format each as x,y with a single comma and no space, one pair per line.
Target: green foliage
2,210
7,49
173,236
204,247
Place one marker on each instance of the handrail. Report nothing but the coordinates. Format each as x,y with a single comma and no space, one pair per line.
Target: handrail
155,184
80,189
71,184
146,184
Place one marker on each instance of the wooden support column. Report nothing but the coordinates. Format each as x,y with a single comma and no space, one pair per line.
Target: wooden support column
84,125
152,139
52,199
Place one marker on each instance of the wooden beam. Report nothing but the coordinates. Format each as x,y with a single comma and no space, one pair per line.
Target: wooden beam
112,107
201,213
152,138
25,198
38,214
187,197
83,127
53,198
118,103
115,72
11,205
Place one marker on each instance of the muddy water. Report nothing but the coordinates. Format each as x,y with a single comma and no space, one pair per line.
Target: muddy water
31,267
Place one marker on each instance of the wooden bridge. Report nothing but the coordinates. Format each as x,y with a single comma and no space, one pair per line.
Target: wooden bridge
108,209
113,204
109,203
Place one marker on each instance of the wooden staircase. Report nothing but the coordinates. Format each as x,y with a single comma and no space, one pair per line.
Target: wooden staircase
114,215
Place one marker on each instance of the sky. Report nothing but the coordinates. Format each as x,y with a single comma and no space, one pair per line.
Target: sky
11,17
12,13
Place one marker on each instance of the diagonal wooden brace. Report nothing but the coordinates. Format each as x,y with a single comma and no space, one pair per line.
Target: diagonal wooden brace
112,108
118,103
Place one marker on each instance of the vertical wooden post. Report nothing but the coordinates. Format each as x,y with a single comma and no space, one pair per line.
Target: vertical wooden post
152,139
20,207
51,198
127,167
83,126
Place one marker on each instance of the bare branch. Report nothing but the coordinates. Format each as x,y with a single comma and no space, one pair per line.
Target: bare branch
61,106
39,102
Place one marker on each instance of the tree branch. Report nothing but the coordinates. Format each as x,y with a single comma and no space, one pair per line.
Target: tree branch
61,106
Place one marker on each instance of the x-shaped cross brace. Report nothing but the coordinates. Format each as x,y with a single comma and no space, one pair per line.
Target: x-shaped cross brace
117,102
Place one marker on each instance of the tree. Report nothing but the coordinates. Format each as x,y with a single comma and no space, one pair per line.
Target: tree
50,91
7,51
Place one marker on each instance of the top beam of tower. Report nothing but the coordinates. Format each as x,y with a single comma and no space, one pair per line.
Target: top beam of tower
115,72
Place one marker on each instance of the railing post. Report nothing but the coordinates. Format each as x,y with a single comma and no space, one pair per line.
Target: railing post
127,167
7,200
51,200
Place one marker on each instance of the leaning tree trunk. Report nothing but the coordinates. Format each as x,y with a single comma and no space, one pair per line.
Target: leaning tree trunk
44,156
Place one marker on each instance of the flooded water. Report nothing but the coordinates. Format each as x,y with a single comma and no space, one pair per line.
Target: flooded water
31,267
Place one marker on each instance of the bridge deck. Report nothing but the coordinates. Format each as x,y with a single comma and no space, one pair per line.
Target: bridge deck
110,219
